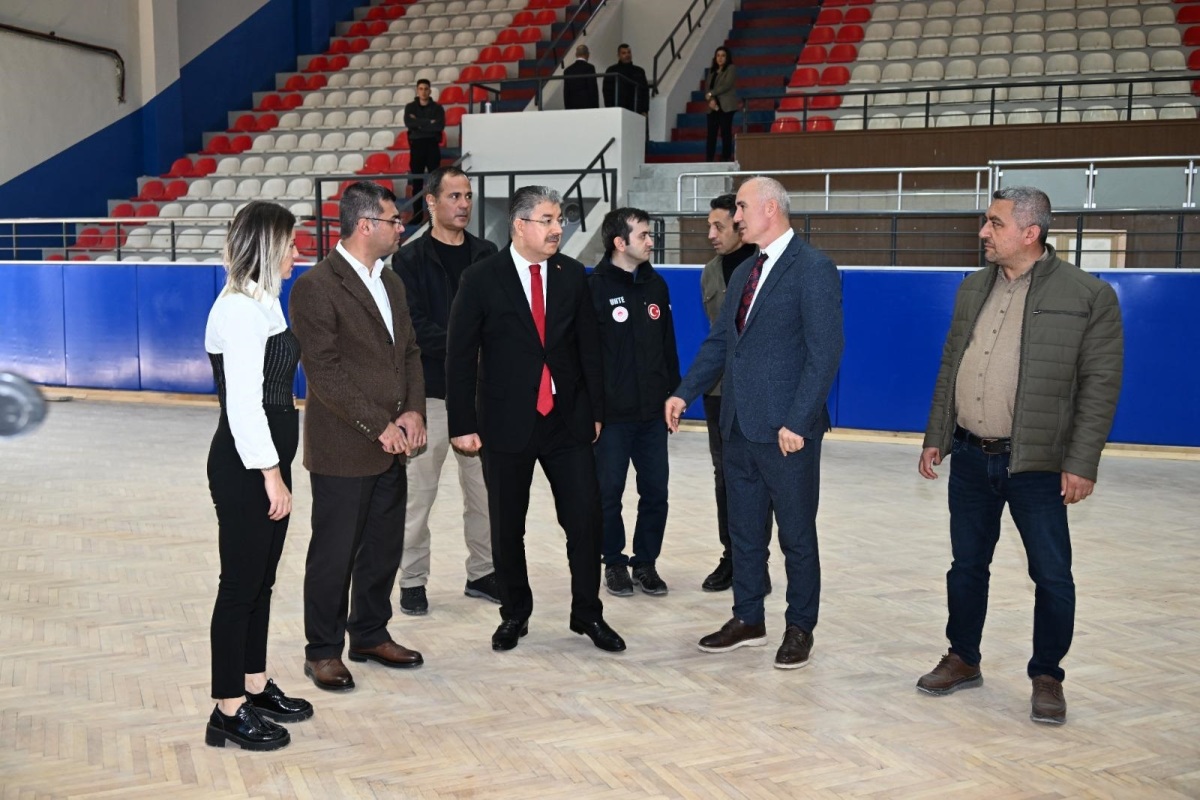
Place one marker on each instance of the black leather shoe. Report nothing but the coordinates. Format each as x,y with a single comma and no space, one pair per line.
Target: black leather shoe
246,729
793,653
601,635
721,578
273,704
509,634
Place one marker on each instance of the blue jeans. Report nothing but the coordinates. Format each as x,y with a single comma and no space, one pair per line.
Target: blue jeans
979,488
645,445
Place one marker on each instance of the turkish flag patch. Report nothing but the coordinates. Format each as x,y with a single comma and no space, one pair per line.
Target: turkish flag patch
653,311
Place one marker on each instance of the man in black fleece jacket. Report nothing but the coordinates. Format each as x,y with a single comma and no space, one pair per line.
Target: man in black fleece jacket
425,121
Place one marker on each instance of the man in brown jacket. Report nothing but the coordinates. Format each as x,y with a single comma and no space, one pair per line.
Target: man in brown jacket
365,412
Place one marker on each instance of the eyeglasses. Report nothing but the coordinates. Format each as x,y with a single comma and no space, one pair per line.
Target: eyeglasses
395,221
547,222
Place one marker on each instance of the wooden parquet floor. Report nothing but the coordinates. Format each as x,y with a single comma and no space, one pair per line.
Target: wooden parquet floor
108,568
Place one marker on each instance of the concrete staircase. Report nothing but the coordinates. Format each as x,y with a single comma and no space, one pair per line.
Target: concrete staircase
655,190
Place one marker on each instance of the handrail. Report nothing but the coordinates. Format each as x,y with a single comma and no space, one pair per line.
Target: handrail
670,42
496,87
997,170
577,186
570,27
95,48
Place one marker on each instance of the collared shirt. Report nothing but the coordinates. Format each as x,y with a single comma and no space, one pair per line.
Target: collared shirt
238,328
985,389
774,250
374,282
526,279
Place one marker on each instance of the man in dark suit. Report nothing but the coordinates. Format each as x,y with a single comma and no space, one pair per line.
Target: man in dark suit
625,84
364,413
579,88
524,383
779,341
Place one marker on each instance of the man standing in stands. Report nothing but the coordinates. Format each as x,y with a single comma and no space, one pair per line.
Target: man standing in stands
641,367
365,412
425,120
431,268
778,341
525,382
579,88
625,84
1024,401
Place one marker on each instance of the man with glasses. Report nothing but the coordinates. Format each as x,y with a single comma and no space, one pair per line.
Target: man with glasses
431,268
525,386
365,412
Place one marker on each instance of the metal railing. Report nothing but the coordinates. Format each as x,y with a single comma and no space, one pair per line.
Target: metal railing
91,48
676,48
573,28
1087,171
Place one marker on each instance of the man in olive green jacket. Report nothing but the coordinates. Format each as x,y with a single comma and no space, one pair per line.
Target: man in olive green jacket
1024,401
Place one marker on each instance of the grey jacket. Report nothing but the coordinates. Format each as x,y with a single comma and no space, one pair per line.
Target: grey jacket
724,88
1072,353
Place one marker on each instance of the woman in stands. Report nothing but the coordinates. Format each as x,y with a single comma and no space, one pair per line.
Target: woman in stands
254,357
722,103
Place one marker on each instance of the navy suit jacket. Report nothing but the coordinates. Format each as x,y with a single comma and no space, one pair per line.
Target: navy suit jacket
778,372
494,357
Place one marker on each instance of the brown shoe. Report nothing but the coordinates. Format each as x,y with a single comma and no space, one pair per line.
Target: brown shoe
734,634
793,653
1049,705
950,675
389,654
329,674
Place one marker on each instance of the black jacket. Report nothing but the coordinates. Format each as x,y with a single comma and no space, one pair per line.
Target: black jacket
637,333
424,121
622,93
431,288
579,88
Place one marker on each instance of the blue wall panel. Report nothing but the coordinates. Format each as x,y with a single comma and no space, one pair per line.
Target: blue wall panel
895,322
691,323
31,322
172,308
101,332
1160,395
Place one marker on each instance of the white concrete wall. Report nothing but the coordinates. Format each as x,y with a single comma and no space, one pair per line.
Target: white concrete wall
685,74
203,22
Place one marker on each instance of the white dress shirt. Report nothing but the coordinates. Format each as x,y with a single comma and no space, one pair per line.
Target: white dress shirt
374,283
238,328
526,279
774,250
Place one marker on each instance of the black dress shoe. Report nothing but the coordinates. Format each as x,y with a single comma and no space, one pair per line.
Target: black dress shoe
721,578
793,653
509,633
273,704
246,729
601,635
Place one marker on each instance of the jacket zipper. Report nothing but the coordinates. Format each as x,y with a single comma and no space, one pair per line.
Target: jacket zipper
1021,369
1056,311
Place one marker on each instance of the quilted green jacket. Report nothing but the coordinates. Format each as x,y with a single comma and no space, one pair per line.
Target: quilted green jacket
1072,351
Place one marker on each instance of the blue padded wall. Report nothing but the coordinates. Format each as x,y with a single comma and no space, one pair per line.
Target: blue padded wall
691,323
101,333
31,322
172,308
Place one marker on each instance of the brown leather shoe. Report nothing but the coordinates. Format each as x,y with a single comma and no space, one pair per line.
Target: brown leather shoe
389,654
329,674
734,634
950,675
793,653
1049,705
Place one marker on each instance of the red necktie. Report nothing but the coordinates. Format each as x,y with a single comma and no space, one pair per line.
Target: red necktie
748,291
545,399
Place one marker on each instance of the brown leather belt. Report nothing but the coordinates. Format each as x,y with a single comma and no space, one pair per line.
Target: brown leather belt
993,447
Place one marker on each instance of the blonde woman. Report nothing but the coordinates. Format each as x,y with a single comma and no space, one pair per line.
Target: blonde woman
254,357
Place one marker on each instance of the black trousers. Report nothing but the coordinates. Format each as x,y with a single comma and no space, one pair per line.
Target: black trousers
571,470
353,556
250,544
721,121
425,155
712,421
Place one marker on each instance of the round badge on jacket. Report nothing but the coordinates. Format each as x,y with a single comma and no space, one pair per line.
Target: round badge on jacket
653,311
620,313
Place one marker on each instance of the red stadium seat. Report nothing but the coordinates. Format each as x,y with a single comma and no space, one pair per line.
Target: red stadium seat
395,12
81,257
401,142
804,77
151,190
123,210
537,5
545,17
377,12
239,144
557,3
471,72
1196,88
523,19
856,16
1191,37
358,45
490,54
785,125
306,243
146,210
203,167
832,3
291,101
179,168
329,210
1194,59
294,84
813,54
849,34
56,257
244,123
376,164
793,102
338,62
514,52
317,64
454,115
508,36
452,94
175,190
385,183
316,82
338,46
377,28
270,102
531,35
1189,14
834,76
495,72
217,145
843,54
357,29
829,16
266,122
401,163
819,123
108,239
822,34
478,95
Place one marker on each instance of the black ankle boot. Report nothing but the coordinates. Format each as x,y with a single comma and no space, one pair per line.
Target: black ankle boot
246,729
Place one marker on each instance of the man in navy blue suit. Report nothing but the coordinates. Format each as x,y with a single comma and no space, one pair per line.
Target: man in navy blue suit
778,341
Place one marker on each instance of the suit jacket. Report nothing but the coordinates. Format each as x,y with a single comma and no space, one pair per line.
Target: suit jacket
778,372
579,88
723,88
494,357
359,379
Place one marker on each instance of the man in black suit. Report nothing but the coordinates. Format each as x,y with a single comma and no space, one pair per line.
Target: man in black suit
625,84
579,88
524,384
